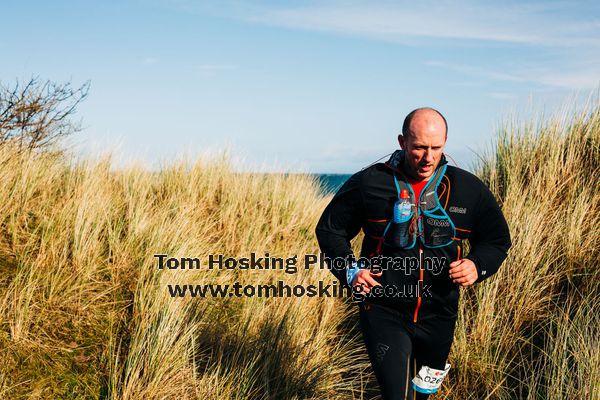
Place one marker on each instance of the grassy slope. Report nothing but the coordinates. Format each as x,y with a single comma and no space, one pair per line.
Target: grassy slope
84,313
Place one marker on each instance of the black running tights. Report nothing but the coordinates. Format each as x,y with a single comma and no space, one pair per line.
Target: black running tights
398,347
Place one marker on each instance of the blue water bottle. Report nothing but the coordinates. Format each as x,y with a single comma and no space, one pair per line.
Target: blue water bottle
402,208
399,235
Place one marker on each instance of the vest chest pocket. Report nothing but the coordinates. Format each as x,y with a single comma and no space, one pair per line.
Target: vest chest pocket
437,227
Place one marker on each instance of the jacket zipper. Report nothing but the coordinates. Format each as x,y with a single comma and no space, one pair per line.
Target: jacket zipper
420,285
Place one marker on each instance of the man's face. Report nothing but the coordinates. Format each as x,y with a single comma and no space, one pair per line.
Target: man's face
424,146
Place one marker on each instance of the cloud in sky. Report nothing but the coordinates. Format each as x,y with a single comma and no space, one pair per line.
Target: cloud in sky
543,23
211,70
572,76
216,67
546,23
568,33
149,61
397,22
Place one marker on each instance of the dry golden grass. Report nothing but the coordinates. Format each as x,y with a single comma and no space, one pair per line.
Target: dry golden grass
85,313
532,331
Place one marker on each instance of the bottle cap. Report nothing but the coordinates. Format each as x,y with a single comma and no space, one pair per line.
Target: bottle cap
404,194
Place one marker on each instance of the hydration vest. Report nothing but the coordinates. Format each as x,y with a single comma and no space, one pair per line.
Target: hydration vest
429,221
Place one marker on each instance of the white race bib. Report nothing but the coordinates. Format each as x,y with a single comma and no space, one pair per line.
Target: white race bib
428,380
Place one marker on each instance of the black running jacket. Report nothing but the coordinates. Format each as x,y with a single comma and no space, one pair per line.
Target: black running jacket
366,201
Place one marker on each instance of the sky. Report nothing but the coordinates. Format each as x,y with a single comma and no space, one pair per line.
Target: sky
311,86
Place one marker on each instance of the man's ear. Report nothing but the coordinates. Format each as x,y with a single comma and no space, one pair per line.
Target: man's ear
401,141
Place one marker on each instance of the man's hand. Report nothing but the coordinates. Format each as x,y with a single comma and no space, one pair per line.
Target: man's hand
463,272
364,278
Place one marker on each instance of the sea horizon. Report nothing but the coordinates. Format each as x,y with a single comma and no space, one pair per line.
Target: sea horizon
330,183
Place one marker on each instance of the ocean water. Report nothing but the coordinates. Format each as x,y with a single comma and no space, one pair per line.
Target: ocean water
330,183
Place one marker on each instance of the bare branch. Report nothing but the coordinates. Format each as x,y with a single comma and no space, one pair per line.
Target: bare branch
36,114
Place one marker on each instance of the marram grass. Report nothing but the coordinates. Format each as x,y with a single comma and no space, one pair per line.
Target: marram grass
85,312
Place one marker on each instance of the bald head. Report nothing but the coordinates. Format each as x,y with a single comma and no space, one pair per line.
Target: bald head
423,139
424,118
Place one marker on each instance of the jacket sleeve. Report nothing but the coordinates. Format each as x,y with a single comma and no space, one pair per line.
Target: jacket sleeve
490,238
339,224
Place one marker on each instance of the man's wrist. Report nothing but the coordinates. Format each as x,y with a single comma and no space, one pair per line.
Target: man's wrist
481,274
352,271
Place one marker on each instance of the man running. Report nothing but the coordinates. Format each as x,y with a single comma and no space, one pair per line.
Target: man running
411,263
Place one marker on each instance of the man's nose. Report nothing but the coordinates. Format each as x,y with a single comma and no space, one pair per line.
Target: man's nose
428,155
